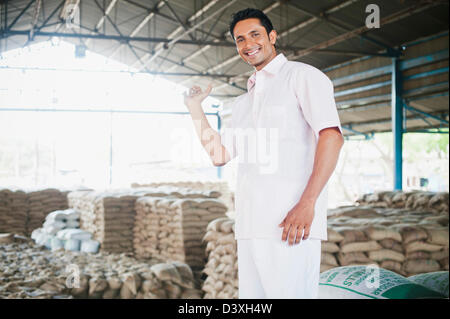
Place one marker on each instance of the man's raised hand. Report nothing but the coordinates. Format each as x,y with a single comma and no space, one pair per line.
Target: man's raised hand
196,96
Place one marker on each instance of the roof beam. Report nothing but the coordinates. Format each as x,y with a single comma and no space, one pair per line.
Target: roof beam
139,27
120,38
416,8
159,48
20,14
103,18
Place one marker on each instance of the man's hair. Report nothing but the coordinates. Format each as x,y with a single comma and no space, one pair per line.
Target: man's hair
248,14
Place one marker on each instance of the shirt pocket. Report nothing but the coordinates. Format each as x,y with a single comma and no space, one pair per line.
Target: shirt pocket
284,120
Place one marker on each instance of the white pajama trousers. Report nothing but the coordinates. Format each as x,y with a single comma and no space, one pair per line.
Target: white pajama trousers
270,268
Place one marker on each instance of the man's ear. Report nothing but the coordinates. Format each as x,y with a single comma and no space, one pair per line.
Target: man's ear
273,37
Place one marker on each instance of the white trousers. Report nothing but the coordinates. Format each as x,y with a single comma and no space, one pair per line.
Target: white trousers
270,268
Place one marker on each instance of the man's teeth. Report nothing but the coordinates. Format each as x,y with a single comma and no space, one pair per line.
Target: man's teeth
253,52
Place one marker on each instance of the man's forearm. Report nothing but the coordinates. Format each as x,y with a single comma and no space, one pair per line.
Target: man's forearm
325,160
209,138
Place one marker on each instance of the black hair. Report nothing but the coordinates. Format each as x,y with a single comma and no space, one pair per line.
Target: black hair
248,14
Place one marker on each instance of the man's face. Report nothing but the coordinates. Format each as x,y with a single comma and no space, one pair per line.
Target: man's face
253,43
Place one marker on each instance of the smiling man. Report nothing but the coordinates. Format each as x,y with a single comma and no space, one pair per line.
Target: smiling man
280,214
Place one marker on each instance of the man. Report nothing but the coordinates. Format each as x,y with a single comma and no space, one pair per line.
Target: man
280,212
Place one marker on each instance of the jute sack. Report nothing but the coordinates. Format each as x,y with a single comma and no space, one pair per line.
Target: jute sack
380,233
410,234
421,246
352,258
391,244
438,236
360,246
334,236
386,254
328,247
392,265
420,266
362,282
328,259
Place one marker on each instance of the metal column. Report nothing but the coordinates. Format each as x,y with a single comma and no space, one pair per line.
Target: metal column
397,123
219,125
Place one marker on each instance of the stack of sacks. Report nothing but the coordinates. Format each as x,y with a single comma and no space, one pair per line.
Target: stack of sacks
219,189
110,215
30,272
24,210
172,229
416,200
222,267
60,230
14,210
406,242
41,203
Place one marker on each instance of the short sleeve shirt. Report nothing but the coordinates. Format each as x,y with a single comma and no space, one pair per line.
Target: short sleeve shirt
273,135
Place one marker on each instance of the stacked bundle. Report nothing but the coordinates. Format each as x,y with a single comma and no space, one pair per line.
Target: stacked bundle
25,210
109,216
220,189
221,268
172,229
14,211
417,200
406,242
42,202
30,272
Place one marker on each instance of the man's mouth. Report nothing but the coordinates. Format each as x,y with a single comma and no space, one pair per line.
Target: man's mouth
253,52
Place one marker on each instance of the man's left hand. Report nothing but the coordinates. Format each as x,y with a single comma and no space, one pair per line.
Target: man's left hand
299,218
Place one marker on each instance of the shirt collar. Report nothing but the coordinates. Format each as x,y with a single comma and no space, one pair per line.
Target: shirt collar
272,68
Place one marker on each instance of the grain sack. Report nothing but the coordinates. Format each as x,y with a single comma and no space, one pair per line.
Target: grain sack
436,281
353,258
360,246
386,254
380,233
420,266
328,259
421,246
391,244
438,236
360,282
392,265
329,247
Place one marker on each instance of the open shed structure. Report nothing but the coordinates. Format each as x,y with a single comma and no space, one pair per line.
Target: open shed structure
388,78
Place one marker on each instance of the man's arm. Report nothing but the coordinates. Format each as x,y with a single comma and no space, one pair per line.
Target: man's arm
209,138
300,217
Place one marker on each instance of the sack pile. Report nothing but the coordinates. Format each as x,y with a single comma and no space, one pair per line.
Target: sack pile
417,200
222,267
406,242
61,231
30,272
172,229
219,189
110,215
22,211
13,211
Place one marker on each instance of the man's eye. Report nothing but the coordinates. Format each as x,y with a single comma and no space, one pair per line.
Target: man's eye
255,34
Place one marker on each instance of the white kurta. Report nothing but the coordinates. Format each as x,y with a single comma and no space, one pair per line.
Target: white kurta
274,133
